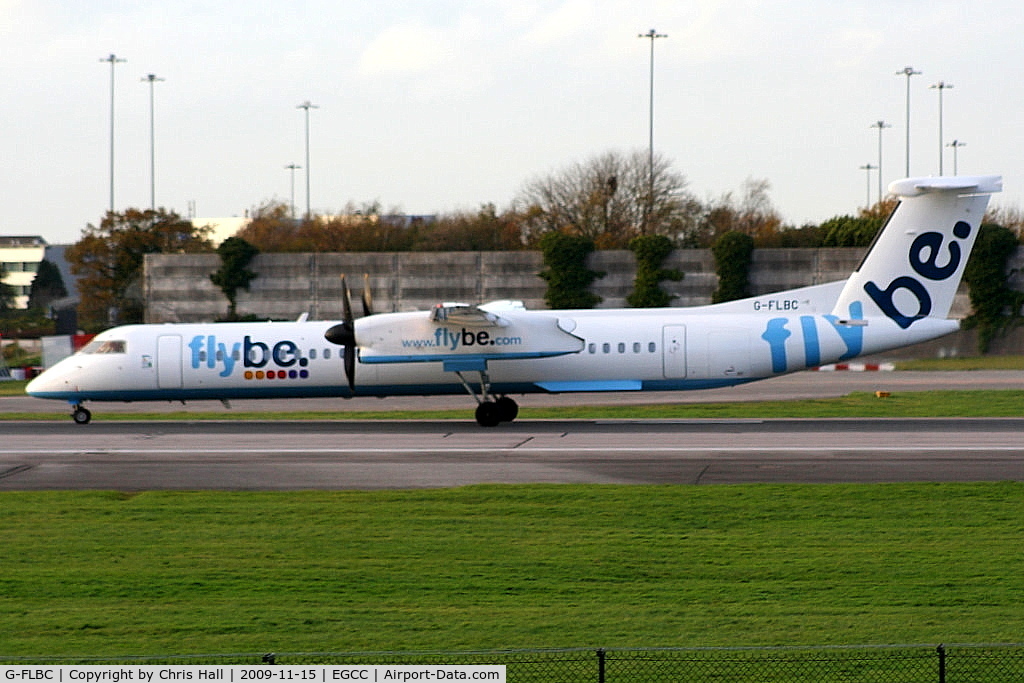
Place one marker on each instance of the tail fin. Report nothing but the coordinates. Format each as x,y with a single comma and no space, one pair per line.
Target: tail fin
915,264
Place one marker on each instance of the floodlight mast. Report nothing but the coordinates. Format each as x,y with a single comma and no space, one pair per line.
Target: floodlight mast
880,125
151,79
940,86
956,144
652,35
113,59
868,168
908,71
307,105
292,167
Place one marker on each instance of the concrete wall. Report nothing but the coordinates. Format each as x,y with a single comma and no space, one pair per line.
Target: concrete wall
178,287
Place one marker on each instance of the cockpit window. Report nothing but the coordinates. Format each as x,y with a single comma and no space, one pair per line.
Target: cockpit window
106,346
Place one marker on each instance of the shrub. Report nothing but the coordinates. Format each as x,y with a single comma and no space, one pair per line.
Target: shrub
651,251
567,274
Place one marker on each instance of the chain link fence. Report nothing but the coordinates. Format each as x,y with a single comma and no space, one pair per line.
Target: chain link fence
892,664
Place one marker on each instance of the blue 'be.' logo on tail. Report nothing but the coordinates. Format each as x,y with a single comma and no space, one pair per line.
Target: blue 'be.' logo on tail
930,242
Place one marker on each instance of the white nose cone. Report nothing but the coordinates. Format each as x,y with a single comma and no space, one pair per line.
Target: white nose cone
55,382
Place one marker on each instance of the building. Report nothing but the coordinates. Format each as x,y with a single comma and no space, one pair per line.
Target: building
20,257
221,228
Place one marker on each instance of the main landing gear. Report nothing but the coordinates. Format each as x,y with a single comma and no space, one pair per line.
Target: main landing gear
490,412
80,414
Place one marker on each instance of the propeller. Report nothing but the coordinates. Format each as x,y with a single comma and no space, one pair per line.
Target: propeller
367,297
344,333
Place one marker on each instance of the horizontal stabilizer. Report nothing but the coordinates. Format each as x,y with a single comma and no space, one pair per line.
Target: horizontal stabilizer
912,187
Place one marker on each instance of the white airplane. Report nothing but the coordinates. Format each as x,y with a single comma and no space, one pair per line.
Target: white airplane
899,295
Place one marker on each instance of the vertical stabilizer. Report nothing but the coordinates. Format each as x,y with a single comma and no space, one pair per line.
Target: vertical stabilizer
913,268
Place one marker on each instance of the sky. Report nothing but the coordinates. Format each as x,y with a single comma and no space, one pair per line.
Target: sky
445,105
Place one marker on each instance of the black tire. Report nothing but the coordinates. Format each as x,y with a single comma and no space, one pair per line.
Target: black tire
508,410
81,415
488,414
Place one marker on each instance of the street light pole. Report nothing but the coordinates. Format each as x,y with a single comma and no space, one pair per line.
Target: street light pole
867,199
113,59
908,71
880,125
956,144
652,35
940,86
307,105
292,167
151,79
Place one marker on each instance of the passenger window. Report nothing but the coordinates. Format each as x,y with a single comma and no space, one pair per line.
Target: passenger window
636,347
592,348
606,347
312,354
327,354
622,347
651,347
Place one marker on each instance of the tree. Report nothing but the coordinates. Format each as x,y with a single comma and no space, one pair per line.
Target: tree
651,251
235,254
485,230
272,229
359,228
733,254
108,260
849,231
995,306
859,231
753,215
608,199
47,287
567,274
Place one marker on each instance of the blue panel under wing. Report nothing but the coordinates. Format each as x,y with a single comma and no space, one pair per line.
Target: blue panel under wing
592,385
467,364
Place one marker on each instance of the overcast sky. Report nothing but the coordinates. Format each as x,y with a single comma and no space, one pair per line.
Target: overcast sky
443,105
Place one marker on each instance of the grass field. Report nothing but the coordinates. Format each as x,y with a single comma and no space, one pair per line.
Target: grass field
494,567
487,567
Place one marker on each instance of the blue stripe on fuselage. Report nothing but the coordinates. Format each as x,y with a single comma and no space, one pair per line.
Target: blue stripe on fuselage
342,391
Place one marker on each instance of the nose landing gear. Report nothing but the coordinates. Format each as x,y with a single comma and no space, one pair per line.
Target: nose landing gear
80,414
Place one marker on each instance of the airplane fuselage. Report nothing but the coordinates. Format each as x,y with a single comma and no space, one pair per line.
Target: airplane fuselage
619,350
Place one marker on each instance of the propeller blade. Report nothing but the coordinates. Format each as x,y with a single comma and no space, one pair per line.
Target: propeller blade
346,301
367,295
344,334
350,366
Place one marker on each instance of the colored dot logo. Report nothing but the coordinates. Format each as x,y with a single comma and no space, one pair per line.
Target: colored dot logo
277,374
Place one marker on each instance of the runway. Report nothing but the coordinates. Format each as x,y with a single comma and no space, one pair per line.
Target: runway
131,456
798,385
253,455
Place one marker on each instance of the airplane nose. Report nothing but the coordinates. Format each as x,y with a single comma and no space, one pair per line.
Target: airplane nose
47,383
38,385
